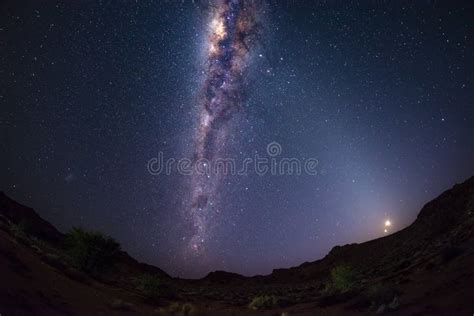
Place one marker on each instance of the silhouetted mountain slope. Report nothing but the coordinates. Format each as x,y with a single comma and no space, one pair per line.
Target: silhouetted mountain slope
29,219
32,224
443,223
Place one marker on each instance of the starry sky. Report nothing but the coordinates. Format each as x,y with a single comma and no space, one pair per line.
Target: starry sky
379,92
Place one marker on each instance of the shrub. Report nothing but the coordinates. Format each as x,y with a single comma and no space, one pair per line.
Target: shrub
150,285
42,244
20,230
264,302
181,309
91,252
119,304
379,294
343,279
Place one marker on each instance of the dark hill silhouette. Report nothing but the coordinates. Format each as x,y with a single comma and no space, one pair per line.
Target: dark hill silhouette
26,216
442,223
34,225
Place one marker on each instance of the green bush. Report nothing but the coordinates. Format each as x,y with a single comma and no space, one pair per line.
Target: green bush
119,304
150,285
91,252
185,309
264,302
379,294
343,279
179,309
20,230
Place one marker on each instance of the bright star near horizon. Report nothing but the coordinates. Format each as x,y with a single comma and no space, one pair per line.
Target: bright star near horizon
387,224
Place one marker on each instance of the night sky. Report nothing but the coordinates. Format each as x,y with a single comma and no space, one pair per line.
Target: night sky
379,92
